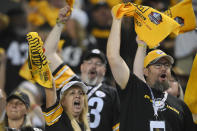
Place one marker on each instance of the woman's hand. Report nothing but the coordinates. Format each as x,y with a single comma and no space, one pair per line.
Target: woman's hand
64,15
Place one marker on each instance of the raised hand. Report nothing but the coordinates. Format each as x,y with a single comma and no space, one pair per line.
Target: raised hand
64,14
140,42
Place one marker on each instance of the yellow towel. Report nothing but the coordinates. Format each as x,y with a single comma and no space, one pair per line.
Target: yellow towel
183,13
25,73
71,4
151,25
38,64
191,91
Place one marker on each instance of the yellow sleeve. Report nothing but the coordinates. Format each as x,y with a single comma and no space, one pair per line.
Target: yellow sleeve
53,114
63,75
116,127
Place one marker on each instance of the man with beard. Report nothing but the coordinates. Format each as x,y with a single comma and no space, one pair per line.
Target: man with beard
145,106
103,100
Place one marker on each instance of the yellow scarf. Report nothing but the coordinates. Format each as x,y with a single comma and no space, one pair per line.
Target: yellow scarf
151,25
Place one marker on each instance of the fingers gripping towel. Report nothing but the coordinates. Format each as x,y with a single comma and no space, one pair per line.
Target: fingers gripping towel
71,4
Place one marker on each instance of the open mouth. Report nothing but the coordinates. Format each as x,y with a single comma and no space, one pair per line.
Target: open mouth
93,73
77,104
163,76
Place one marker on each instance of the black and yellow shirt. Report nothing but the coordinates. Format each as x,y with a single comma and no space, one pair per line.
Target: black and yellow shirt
62,75
104,108
57,120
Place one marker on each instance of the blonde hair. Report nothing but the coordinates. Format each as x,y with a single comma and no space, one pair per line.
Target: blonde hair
83,118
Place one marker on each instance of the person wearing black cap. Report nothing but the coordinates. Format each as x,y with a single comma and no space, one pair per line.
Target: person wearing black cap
93,67
145,104
103,100
17,107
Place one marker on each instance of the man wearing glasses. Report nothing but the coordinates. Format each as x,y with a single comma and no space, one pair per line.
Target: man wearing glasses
145,104
103,100
157,69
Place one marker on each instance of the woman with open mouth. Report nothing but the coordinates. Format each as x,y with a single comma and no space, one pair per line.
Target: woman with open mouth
70,111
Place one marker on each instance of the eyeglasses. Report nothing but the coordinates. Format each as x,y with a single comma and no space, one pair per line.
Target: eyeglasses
98,64
159,65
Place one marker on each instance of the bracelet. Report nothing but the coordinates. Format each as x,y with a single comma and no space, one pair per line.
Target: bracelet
142,45
59,22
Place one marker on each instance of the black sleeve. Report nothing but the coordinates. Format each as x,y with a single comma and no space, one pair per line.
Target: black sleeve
133,82
58,68
188,120
116,109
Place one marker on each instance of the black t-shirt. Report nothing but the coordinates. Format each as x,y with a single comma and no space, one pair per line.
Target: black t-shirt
104,108
137,110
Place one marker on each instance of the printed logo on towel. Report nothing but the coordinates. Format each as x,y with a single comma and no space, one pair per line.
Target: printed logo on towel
156,18
179,20
141,8
138,23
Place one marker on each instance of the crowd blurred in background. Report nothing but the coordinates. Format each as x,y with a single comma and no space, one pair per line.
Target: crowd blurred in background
88,28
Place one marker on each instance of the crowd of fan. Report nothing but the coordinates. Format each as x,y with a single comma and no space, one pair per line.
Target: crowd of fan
87,29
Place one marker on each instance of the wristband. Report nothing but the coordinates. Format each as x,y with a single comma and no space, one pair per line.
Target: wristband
142,45
59,22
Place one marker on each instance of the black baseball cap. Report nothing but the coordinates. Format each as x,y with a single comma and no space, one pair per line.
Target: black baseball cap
95,53
21,96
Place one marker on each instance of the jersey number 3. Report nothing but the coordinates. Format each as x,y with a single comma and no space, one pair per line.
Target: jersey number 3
96,112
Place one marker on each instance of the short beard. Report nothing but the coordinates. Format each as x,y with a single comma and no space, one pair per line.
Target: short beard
90,82
161,86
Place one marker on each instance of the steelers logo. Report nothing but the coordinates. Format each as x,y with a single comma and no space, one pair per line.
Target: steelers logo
179,20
